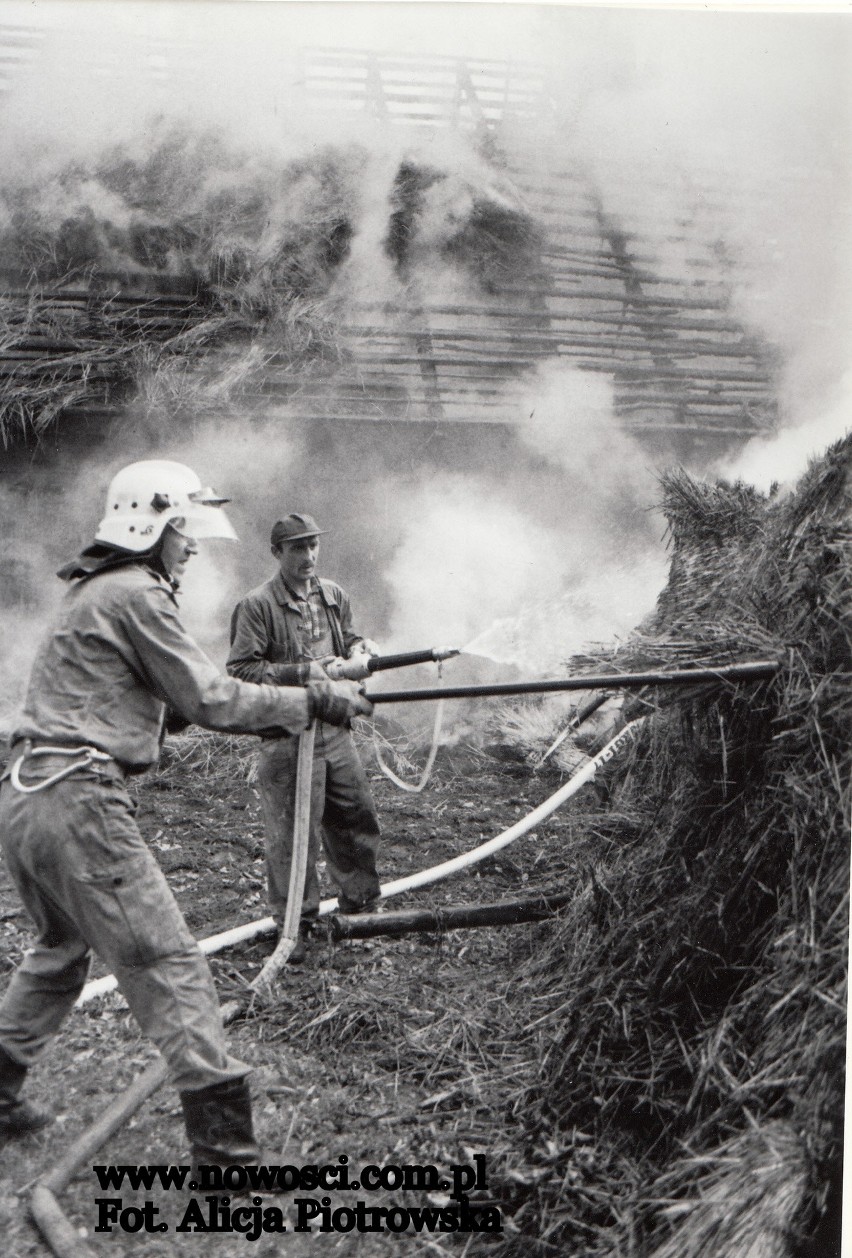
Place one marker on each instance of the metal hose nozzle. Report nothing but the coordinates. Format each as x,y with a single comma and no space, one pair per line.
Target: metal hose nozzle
378,663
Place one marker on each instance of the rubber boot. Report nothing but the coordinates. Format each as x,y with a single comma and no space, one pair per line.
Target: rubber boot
220,1129
299,952
300,949
351,907
219,1124
17,1117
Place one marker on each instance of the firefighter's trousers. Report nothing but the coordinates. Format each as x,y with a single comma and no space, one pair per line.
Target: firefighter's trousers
344,824
90,884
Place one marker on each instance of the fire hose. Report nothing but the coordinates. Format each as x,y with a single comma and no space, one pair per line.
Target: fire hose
45,1209
413,788
265,925
749,671
377,663
44,1206
298,866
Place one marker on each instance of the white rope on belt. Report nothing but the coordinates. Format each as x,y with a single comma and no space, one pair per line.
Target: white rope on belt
89,756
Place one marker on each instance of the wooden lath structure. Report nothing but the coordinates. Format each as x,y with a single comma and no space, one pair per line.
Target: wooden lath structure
644,304
72,349
597,300
600,299
19,48
678,361
424,89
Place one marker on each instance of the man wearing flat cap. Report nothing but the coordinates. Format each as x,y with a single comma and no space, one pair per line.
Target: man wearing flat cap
293,629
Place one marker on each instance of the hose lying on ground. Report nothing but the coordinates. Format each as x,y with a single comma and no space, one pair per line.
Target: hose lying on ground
265,925
46,1211
414,788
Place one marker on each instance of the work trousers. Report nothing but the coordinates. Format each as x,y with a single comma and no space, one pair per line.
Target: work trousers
344,823
90,884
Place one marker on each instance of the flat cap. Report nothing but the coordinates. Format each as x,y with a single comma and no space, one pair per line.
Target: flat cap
294,527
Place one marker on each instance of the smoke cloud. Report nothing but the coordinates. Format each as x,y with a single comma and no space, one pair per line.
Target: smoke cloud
526,542
781,460
469,559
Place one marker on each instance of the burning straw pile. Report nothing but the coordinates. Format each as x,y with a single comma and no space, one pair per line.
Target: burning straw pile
685,1095
124,271
486,231
178,271
60,354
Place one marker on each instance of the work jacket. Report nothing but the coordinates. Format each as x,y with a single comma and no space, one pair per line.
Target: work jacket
119,657
266,643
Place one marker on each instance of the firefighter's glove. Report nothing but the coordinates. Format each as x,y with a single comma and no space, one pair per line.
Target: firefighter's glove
337,701
353,669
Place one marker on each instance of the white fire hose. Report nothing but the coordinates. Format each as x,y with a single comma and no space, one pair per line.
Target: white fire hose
413,788
55,1226
262,985
265,925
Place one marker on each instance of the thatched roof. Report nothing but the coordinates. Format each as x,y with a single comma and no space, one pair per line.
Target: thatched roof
107,262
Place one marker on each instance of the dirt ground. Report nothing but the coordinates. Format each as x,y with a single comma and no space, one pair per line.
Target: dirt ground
366,1053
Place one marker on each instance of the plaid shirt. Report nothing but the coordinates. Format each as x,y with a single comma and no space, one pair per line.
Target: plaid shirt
273,632
317,639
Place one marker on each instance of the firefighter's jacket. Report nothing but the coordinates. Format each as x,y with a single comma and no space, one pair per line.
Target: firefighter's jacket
266,642
119,658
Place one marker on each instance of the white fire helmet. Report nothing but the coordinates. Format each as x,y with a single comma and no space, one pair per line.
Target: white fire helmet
144,497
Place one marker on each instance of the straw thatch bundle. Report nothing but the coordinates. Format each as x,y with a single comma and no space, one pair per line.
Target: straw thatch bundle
479,227
254,246
187,203
695,991
499,245
58,356
745,1198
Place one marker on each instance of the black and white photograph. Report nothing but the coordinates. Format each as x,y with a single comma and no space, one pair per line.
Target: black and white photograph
425,602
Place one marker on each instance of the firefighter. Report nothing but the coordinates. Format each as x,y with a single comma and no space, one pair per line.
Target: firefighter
117,663
294,627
